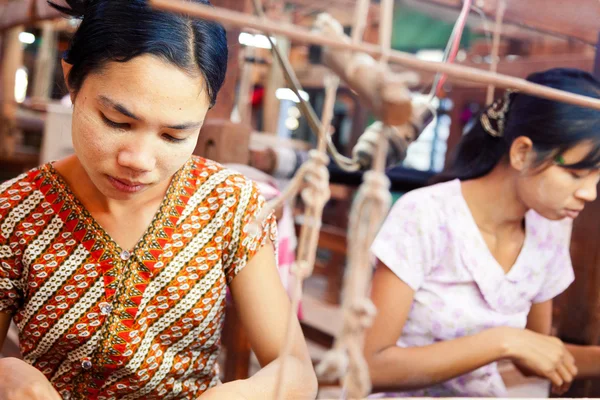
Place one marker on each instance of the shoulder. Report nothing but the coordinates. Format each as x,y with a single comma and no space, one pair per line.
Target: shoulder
428,201
226,183
18,197
18,189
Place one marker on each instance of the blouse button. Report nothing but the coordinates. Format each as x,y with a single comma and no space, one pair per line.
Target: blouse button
125,255
86,363
105,308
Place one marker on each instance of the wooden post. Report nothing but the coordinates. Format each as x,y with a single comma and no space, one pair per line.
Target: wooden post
45,63
226,97
597,60
275,80
12,59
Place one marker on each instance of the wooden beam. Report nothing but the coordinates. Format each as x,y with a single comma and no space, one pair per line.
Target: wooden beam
24,12
312,76
15,13
45,63
519,68
577,19
226,97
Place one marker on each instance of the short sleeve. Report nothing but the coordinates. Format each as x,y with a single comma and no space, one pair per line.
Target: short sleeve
405,242
10,277
246,241
559,271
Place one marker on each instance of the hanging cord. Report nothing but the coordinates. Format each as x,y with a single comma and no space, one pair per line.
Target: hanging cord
496,48
460,24
455,37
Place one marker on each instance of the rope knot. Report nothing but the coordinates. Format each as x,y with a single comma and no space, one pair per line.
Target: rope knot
316,175
333,365
301,269
361,314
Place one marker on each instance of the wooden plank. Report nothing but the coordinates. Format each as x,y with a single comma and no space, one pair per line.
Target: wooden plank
15,13
312,76
43,10
578,19
237,345
597,59
12,55
226,97
315,335
341,10
519,68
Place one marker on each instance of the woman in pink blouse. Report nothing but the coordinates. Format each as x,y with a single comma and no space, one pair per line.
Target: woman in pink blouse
467,268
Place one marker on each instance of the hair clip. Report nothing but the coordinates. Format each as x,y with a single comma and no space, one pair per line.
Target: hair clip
493,119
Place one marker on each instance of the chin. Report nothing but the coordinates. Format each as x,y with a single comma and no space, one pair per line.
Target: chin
553,216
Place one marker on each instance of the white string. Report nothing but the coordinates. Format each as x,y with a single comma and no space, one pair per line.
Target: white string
315,195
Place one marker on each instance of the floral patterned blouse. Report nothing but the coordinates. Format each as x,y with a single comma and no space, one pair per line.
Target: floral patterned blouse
432,243
101,322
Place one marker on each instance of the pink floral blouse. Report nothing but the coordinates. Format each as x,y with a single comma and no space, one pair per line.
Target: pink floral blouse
431,242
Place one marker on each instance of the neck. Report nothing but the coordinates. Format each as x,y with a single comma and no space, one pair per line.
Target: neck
494,201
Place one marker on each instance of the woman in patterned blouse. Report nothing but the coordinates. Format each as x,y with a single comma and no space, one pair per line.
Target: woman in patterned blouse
115,262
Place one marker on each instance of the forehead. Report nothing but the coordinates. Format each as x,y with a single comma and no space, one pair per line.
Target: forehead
151,87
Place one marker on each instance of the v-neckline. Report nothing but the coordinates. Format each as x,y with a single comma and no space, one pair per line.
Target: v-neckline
477,233
94,226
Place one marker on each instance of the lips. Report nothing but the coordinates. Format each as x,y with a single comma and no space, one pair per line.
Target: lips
125,185
128,182
572,213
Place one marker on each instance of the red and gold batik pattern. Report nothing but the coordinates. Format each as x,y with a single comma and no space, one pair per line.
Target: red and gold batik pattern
104,323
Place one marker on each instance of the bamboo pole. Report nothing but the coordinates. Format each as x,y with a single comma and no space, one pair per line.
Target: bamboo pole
303,35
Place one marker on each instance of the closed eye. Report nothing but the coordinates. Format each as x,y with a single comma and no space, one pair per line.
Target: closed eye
579,174
115,125
172,139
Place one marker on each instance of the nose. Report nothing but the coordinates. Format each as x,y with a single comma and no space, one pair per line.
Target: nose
588,192
137,155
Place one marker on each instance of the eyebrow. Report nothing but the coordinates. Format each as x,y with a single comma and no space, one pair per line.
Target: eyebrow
123,110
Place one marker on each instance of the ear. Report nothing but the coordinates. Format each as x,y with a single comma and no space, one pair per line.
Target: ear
66,68
521,153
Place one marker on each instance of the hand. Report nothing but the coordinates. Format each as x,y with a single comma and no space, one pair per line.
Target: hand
540,355
22,381
557,390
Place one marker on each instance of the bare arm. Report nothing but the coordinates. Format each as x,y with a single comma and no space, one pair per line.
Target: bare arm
418,367
264,307
587,358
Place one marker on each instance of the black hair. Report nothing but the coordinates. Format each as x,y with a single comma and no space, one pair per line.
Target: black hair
120,30
554,127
